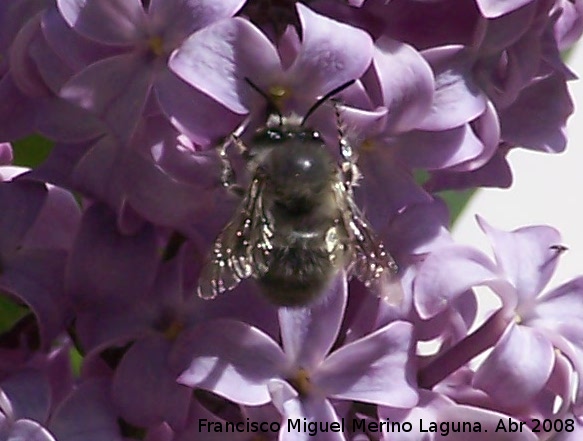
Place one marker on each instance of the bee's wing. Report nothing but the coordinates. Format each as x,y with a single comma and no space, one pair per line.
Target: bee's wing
241,249
369,261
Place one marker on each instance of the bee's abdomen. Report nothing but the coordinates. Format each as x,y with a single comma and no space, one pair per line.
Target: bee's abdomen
296,275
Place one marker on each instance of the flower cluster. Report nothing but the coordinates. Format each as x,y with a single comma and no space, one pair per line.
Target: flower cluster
103,242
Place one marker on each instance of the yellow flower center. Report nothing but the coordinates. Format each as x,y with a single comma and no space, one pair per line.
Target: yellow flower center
301,382
156,45
279,95
173,330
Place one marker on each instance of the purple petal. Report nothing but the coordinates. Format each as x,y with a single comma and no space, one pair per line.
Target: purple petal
26,430
15,110
518,367
234,360
64,121
194,113
160,198
29,393
373,369
57,223
180,18
70,47
536,120
457,99
106,266
308,333
6,154
406,82
331,54
439,150
107,21
489,421
387,187
36,278
115,89
315,410
87,415
20,204
495,173
560,309
526,256
496,8
144,387
447,273
217,58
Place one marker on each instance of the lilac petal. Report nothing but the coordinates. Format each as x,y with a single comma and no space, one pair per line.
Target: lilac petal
20,205
58,167
15,110
64,121
536,121
447,273
331,54
495,173
160,198
57,223
526,256
374,369
144,387
234,360
439,150
560,309
87,415
6,154
182,18
98,172
569,25
308,333
505,30
217,58
115,89
106,266
489,421
29,394
194,113
387,187
406,82
419,229
26,430
457,99
315,410
24,70
71,48
36,278
107,21
496,8
487,130
518,367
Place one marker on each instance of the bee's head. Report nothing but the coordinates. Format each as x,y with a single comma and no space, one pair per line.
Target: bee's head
297,166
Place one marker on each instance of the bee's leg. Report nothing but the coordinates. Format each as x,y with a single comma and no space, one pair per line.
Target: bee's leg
350,174
228,175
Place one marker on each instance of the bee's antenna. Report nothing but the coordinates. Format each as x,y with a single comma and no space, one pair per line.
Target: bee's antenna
326,98
270,103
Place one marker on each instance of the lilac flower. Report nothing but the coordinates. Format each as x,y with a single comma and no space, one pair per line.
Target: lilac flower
530,324
330,54
301,379
36,231
118,87
445,415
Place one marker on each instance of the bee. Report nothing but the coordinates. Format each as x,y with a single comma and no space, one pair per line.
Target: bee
298,224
